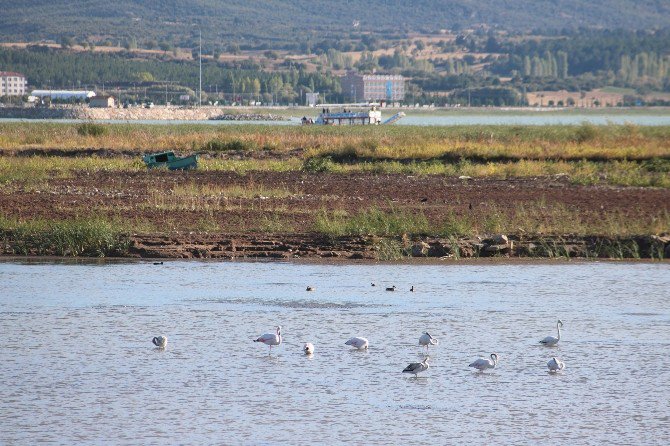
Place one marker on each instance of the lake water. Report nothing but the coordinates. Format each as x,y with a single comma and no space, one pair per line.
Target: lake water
537,119
442,118
77,364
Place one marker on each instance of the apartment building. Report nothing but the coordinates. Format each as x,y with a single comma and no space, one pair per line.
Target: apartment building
12,84
373,87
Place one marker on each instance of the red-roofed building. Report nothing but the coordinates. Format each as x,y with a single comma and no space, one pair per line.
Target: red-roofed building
12,84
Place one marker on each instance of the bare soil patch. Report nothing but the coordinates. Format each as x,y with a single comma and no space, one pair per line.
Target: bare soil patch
248,226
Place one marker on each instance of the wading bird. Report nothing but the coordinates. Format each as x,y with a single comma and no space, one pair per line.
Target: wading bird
417,367
160,341
555,365
551,340
271,338
359,343
426,339
482,364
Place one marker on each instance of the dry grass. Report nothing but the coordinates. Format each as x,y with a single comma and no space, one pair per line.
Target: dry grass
210,198
620,142
540,218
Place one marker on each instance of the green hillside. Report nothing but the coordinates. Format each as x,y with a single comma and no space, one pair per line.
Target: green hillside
285,22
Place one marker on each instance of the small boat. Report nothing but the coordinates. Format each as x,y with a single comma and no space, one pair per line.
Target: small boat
169,160
367,114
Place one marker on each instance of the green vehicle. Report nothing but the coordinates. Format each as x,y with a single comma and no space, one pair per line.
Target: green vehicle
169,160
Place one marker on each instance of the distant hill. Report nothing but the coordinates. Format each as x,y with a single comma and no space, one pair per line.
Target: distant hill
282,22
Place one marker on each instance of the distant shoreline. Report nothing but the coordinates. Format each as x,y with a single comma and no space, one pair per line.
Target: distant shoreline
85,113
212,113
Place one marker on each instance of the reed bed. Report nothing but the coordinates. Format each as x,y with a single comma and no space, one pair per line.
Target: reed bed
35,170
76,237
532,219
610,142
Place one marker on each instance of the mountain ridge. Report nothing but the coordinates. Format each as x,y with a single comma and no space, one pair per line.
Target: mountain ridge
257,21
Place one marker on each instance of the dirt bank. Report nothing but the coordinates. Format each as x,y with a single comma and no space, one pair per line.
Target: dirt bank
214,214
309,245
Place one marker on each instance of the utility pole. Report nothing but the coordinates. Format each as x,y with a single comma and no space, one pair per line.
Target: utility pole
200,63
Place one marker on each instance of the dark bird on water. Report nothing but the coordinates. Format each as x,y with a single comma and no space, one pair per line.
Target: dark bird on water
160,341
391,288
158,263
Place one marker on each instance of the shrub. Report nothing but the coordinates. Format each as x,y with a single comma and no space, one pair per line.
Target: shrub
91,129
319,164
586,132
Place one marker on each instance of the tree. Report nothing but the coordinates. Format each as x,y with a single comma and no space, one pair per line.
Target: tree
526,66
164,46
233,48
492,45
66,42
562,64
130,43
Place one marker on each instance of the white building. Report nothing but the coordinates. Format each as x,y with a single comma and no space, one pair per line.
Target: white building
12,84
102,101
65,95
311,99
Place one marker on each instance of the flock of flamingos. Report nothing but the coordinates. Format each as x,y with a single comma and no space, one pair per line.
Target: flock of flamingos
426,340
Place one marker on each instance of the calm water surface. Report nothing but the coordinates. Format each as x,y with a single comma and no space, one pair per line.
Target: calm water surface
439,119
77,364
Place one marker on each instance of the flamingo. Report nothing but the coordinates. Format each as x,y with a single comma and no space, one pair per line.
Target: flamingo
550,341
482,364
426,339
417,367
308,348
359,343
271,338
555,365
160,342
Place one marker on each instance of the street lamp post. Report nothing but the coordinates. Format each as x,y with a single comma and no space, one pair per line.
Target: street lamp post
200,63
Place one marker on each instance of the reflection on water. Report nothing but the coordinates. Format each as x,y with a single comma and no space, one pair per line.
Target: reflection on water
77,364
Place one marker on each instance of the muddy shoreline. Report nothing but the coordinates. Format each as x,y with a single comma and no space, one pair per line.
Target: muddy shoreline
311,246
318,246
